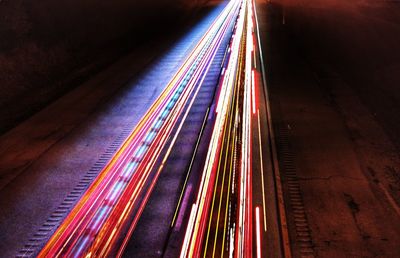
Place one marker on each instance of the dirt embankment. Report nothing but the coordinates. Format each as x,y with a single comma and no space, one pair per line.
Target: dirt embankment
49,47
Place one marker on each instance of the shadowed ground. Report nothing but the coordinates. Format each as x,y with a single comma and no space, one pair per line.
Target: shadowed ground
333,78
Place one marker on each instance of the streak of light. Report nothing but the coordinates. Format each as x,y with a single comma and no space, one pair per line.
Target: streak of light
190,166
262,170
237,76
195,228
253,94
93,226
188,108
258,233
281,209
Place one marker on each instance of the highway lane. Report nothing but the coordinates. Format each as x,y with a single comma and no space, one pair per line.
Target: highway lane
220,224
222,193
93,226
268,203
239,209
154,226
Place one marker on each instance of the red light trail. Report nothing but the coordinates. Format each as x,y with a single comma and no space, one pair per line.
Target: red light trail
93,226
223,219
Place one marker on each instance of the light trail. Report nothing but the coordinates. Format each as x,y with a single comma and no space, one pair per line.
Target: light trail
258,233
92,228
222,207
262,171
253,94
224,220
197,220
190,167
284,233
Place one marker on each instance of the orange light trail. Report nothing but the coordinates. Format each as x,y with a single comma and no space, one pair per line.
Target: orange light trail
93,226
237,85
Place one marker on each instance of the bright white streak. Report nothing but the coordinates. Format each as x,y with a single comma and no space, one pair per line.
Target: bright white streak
258,233
253,94
196,214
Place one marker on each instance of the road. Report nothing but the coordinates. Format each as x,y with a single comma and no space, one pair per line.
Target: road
122,189
47,163
197,171
228,214
230,200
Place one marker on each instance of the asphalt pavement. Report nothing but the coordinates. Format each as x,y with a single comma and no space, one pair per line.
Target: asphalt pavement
48,162
332,151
